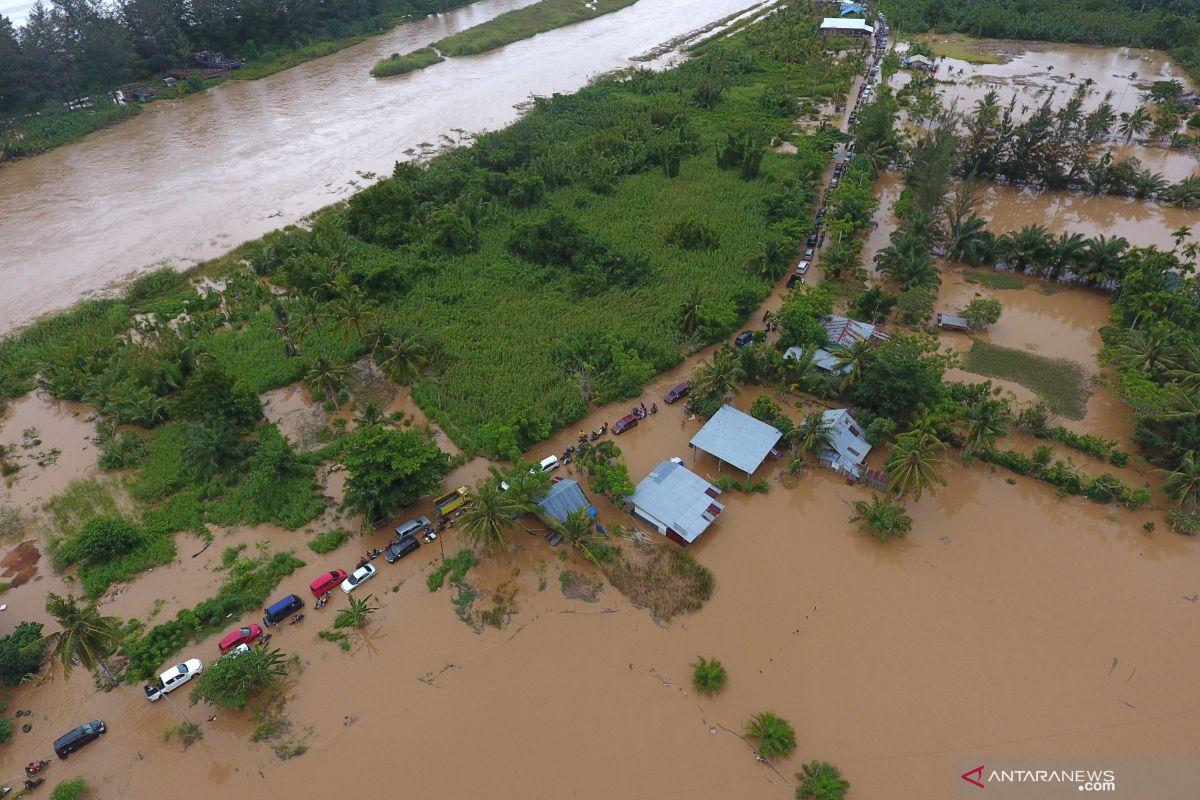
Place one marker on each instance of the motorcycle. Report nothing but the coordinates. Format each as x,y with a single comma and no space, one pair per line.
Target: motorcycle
34,767
296,618
654,408
30,785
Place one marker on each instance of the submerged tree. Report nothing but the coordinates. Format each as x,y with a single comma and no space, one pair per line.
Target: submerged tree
776,736
708,675
233,681
881,517
913,465
820,780
492,513
84,635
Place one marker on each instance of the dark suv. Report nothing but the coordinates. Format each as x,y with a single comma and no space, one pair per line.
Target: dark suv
744,338
398,550
73,740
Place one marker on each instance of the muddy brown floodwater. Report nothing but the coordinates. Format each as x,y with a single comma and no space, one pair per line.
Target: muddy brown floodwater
187,181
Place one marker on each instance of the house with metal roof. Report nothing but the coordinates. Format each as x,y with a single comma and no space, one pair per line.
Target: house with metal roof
843,332
677,502
848,444
564,498
918,61
953,322
851,8
736,438
822,359
835,26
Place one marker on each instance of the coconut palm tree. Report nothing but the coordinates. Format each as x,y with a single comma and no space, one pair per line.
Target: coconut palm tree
881,517
984,422
1181,404
493,513
689,311
84,635
820,780
850,362
718,379
1134,123
1145,183
776,736
769,259
803,368
913,465
353,312
577,527
404,358
1181,234
965,237
1154,352
326,378
813,434
1183,483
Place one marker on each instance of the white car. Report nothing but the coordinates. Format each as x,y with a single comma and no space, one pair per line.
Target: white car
802,268
173,678
237,651
357,577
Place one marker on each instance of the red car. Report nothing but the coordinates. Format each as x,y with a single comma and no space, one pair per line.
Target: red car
244,635
624,423
327,582
676,393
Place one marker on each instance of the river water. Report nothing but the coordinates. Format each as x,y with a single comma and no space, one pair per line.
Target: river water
186,181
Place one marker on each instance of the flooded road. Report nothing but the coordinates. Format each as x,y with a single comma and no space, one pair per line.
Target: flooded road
187,181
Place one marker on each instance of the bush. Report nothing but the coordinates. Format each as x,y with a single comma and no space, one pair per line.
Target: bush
328,541
16,661
708,676
101,540
456,566
5,730
397,64
72,789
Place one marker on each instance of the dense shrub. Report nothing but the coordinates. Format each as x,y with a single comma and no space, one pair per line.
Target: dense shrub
17,658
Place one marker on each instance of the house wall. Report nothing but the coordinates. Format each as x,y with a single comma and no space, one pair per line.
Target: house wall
659,526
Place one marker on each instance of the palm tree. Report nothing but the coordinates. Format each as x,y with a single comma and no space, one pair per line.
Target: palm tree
84,635
850,362
1066,253
357,614
1180,405
1153,352
1183,482
776,736
404,358
577,527
494,512
325,377
353,311
1104,259
1180,234
881,517
820,780
913,464
689,311
769,259
1029,245
985,421
1134,123
813,434
804,368
718,379
1148,184
1186,193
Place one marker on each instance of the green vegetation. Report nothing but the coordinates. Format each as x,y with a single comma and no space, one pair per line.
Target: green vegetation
234,680
1069,479
709,676
356,614
84,636
455,566
1002,281
1060,382
881,517
6,731
606,470
188,733
328,541
397,64
71,789
962,49
513,26
820,780
108,550
390,469
776,736
982,313
246,588
58,127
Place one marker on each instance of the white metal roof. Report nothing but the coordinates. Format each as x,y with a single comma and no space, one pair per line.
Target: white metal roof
847,435
835,23
679,499
737,438
822,358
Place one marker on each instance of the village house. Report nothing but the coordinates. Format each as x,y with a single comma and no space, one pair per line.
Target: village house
677,502
822,359
953,322
843,332
848,445
919,62
736,438
835,26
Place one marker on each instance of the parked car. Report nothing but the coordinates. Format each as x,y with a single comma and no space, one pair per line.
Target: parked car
833,184
239,637
72,740
624,423
359,576
327,582
398,550
411,527
802,267
545,465
812,239
809,252
744,338
677,392
237,651
173,678
281,609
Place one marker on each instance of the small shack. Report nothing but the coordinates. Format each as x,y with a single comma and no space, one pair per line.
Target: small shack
843,332
564,499
739,439
848,445
822,359
951,322
835,26
677,502
919,61
852,9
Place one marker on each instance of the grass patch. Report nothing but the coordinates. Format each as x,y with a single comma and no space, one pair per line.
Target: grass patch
455,566
522,23
397,64
668,582
49,130
963,48
328,541
188,733
579,587
1058,381
994,280
82,501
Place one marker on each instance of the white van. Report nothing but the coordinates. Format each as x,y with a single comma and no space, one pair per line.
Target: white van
545,465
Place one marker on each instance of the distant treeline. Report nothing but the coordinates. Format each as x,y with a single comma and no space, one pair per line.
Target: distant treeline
1159,24
69,48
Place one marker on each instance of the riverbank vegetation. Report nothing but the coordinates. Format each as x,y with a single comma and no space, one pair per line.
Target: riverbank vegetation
70,50
397,64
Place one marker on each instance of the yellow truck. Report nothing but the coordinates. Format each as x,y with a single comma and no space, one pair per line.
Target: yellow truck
448,503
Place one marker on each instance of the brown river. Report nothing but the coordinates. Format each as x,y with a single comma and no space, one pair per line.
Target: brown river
1010,623
187,181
